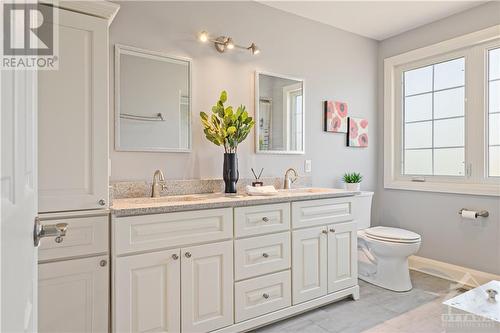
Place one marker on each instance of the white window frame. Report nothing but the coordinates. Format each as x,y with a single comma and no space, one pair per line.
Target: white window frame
476,180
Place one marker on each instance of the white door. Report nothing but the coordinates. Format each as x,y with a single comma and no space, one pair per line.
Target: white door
73,118
18,179
207,287
309,264
342,256
147,295
73,296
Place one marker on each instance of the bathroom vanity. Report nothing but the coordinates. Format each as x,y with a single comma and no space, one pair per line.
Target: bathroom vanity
207,262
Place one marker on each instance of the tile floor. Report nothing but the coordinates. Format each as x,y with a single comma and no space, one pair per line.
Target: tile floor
378,311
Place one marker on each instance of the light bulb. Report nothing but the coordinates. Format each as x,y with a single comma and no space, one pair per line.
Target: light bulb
229,43
254,49
203,36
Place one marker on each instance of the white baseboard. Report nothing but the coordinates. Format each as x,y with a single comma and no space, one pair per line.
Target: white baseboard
468,277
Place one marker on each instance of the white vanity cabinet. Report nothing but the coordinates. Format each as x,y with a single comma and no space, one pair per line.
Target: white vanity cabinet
73,274
149,287
229,270
325,256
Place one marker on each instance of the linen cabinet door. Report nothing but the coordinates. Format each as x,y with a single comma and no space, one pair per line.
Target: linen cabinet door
147,292
309,264
342,256
73,296
207,287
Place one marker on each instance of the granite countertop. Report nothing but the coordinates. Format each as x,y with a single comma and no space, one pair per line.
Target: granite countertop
178,203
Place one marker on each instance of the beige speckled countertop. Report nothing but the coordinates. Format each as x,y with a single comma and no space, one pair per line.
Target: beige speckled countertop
177,203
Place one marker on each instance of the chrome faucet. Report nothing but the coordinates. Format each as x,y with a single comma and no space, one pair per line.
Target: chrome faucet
288,181
158,184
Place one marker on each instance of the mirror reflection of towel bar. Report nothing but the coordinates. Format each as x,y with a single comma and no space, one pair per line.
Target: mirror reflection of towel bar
158,117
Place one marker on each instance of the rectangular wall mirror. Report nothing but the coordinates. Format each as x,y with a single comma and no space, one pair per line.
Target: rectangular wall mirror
152,101
280,114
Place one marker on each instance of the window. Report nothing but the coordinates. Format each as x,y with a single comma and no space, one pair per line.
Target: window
433,116
494,112
442,116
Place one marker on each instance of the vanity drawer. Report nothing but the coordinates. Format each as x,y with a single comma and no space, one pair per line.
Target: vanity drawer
265,294
261,255
161,231
84,236
318,212
262,219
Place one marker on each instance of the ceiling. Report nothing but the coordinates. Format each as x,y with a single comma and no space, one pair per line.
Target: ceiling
374,19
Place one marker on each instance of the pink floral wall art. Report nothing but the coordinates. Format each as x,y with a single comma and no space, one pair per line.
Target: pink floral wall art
357,136
335,117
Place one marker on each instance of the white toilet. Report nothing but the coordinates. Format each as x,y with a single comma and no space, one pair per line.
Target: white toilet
383,251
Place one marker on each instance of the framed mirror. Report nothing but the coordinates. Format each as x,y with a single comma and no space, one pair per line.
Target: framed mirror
152,101
280,114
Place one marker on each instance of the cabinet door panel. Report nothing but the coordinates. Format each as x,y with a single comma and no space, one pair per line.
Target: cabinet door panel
309,264
73,118
342,256
73,296
207,287
147,292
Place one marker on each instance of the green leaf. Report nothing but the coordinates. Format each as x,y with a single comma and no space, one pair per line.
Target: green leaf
223,96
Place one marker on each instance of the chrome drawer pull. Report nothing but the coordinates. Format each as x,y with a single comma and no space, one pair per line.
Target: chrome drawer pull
265,219
266,296
265,255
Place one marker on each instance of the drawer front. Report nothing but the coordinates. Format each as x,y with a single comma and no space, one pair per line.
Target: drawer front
318,212
161,231
262,295
261,255
262,219
84,236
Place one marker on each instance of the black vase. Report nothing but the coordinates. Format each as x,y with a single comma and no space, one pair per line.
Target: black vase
230,172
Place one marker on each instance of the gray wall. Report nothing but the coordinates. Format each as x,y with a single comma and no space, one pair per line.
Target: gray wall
334,64
445,236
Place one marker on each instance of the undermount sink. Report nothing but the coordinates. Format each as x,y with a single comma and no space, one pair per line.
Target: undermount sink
308,190
175,198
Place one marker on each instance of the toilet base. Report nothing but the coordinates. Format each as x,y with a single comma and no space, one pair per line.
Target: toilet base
391,274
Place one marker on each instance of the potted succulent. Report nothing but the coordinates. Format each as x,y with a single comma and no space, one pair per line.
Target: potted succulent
226,127
352,181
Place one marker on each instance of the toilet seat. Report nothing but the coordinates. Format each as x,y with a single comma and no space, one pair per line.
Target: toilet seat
392,235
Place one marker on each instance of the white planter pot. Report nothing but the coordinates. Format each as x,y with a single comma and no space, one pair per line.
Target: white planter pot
355,187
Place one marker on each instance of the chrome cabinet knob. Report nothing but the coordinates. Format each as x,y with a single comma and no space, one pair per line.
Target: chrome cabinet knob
187,254
103,263
265,219
101,202
324,231
266,296
58,239
332,230
265,255
175,256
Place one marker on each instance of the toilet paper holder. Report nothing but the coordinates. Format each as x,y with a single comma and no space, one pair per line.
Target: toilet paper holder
482,213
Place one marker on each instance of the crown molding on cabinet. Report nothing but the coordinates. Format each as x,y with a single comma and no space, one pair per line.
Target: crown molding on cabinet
102,9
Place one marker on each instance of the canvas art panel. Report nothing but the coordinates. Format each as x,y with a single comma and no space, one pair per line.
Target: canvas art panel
357,135
335,116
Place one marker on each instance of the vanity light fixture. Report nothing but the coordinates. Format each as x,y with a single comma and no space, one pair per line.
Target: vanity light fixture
223,43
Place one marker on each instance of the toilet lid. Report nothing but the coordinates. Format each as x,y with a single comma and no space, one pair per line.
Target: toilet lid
392,234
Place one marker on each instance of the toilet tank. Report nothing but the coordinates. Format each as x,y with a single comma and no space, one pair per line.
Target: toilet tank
362,209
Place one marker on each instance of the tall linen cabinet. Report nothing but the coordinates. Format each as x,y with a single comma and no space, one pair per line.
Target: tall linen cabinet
73,271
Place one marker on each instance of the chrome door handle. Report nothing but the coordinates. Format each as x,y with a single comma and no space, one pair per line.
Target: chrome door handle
58,231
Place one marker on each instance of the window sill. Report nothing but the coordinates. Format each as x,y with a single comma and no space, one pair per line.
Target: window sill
452,188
